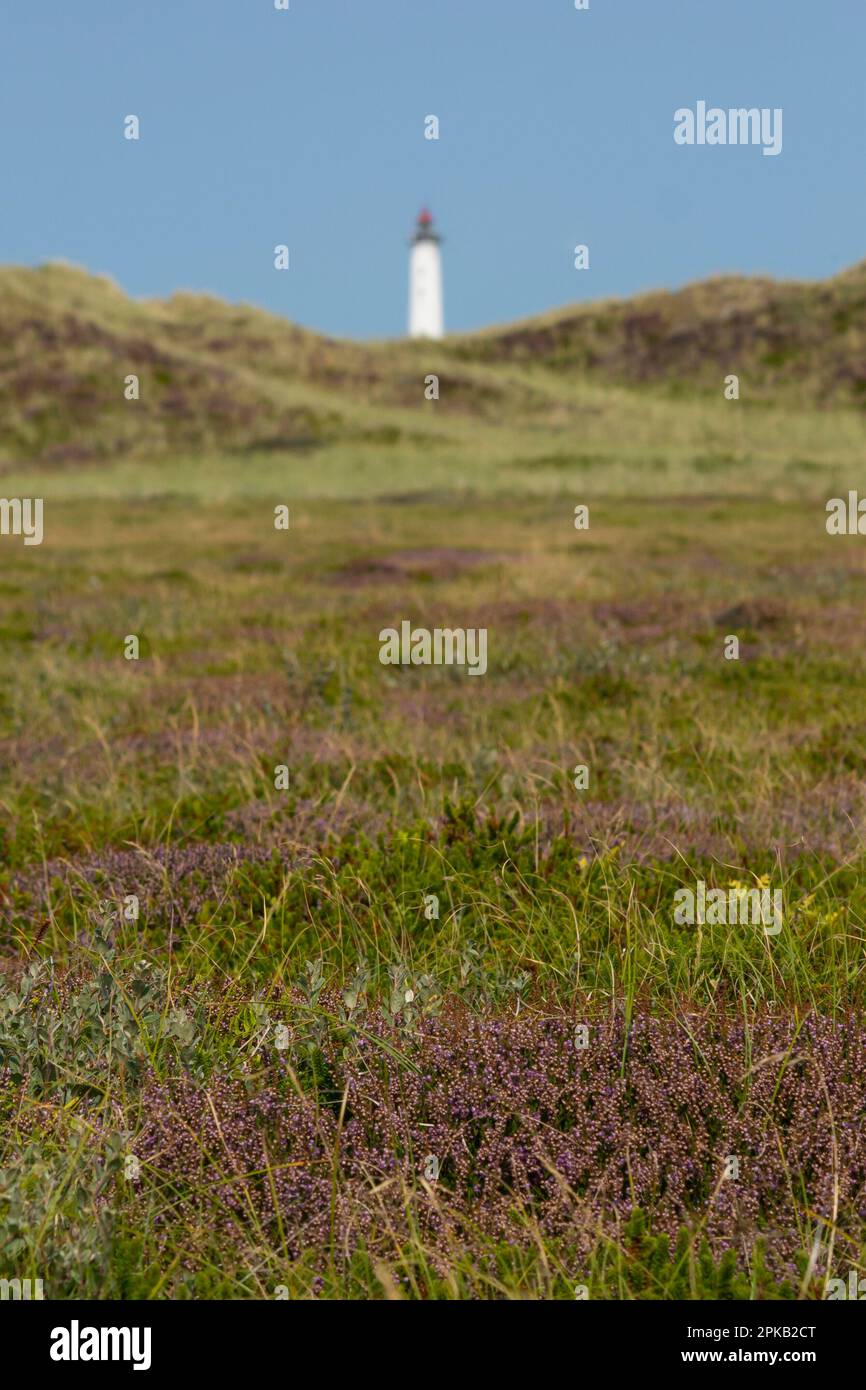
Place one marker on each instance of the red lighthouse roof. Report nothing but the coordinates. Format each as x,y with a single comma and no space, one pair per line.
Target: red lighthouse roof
424,228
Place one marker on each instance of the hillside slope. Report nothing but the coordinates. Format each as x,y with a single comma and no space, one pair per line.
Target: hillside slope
234,378
779,336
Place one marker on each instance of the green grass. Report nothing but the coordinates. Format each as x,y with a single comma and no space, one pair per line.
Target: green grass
260,648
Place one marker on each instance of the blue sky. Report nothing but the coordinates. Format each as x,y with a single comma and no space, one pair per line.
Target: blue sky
306,127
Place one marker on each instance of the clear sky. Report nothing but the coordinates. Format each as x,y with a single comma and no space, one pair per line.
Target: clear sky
306,128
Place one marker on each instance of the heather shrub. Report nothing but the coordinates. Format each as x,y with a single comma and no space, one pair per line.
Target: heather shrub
532,1134
321,1125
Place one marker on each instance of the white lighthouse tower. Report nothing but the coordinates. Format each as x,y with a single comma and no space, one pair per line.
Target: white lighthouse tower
426,314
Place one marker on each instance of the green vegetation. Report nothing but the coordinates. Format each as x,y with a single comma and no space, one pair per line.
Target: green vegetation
259,648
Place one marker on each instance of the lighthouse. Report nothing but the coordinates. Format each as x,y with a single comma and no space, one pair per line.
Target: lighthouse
426,315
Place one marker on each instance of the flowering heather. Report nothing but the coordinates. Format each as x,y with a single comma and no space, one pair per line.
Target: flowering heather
171,883
532,1134
431,905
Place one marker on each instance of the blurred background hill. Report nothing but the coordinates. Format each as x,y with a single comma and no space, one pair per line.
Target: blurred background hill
520,405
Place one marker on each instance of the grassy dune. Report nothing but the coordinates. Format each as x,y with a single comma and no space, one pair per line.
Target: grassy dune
238,1092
